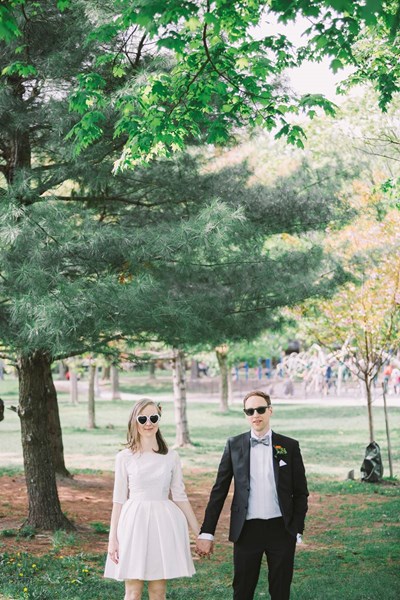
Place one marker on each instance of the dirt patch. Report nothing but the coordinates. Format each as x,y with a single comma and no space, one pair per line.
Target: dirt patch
86,499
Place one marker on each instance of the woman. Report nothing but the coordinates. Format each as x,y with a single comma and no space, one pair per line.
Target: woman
149,538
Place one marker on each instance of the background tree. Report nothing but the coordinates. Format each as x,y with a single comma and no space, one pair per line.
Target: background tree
86,260
223,75
360,324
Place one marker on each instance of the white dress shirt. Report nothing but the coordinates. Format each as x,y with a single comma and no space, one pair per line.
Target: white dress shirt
263,498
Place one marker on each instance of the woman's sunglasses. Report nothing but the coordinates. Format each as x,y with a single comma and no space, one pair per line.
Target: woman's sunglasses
260,410
142,419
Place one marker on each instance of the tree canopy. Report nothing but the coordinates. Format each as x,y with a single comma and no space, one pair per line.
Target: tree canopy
171,252
199,70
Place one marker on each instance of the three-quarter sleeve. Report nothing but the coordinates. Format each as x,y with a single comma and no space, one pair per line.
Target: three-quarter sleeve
120,494
178,491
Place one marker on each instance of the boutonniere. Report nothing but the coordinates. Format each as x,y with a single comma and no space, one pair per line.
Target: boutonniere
279,450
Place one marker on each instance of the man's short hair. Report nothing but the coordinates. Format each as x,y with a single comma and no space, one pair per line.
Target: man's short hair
257,393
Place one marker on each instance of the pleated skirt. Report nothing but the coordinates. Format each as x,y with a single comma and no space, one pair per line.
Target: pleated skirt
153,542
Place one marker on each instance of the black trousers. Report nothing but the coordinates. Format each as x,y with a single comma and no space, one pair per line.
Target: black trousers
258,537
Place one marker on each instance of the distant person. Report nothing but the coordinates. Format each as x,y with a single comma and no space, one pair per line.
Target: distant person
395,380
203,368
1,410
1,368
269,503
387,373
149,538
288,387
328,378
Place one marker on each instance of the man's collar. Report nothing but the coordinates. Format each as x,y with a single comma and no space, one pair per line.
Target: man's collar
257,437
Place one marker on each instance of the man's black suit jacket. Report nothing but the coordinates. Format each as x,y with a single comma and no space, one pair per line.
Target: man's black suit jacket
290,482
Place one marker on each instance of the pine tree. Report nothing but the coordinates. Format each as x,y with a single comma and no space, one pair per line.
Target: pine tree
165,252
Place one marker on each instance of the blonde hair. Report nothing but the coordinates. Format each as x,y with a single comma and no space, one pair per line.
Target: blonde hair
133,435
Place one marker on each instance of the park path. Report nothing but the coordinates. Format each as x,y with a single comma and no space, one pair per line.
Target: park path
351,398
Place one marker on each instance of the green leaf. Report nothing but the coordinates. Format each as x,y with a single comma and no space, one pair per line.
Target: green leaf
336,65
210,19
119,71
193,23
19,68
371,10
242,62
63,4
20,49
172,43
342,5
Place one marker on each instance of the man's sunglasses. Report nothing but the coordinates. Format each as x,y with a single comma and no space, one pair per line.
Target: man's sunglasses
142,419
260,410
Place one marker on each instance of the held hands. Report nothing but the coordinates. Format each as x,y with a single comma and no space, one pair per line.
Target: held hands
204,548
113,551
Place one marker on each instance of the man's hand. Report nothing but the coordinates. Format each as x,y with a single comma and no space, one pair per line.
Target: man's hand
204,547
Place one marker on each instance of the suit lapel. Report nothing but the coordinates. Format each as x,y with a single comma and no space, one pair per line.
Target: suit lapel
275,460
246,453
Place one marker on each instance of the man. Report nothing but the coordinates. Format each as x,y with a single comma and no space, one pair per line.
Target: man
269,502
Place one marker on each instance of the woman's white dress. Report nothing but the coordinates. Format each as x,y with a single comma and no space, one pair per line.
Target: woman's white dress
152,533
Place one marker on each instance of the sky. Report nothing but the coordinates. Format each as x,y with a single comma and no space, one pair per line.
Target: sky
311,77
317,78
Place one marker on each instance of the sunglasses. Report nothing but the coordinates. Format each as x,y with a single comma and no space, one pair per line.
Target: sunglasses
142,419
260,410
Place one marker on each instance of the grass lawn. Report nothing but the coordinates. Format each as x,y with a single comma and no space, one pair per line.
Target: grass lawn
351,547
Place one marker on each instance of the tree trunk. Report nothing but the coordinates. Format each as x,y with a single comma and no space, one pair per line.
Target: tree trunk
152,370
222,357
73,387
54,427
62,369
230,388
179,383
387,432
194,370
91,402
115,395
44,510
367,384
97,388
106,373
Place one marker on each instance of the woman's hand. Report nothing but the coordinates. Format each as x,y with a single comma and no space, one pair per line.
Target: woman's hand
113,550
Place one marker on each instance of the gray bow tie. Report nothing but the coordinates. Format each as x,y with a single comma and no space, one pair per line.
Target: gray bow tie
254,441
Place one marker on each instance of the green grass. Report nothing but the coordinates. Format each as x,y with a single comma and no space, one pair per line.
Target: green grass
343,562
333,439
353,552
145,388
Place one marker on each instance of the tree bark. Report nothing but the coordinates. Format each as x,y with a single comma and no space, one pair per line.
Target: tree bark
222,357
106,372
230,388
62,369
115,394
152,370
73,389
54,427
367,384
387,432
179,383
91,399
44,510
194,370
97,388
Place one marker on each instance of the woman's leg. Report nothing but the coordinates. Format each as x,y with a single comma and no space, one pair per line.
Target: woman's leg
133,589
158,589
